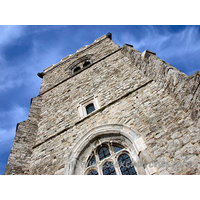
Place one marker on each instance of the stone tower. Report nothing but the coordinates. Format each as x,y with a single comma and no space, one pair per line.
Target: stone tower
110,110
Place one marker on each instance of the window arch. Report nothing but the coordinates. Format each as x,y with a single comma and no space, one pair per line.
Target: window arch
116,147
92,161
110,159
122,136
80,64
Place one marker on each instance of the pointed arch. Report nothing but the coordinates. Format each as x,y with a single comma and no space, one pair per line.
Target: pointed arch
111,132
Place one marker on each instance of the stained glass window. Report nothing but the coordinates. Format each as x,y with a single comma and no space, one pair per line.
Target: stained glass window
90,108
92,161
93,172
103,152
117,148
126,165
108,169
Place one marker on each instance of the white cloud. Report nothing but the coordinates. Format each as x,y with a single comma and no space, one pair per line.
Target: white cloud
9,79
7,134
9,120
9,34
24,73
174,47
184,41
14,115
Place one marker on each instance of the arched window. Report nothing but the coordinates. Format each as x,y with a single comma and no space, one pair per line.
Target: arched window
126,165
108,169
116,148
77,69
119,140
110,159
90,108
103,152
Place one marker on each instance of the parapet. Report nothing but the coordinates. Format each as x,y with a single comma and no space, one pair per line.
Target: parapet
185,89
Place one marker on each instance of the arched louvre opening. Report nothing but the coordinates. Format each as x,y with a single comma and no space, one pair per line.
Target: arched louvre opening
86,64
77,69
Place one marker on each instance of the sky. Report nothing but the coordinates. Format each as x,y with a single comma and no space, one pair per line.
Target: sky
26,50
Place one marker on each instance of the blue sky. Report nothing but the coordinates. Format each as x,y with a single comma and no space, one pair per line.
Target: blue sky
27,50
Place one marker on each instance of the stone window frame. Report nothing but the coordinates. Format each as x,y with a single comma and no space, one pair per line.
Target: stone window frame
76,158
83,104
81,67
98,166
82,63
86,63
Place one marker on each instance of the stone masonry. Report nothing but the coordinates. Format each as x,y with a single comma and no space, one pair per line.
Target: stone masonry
133,89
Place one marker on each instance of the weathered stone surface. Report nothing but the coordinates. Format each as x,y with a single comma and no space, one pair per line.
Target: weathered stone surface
182,88
20,155
142,92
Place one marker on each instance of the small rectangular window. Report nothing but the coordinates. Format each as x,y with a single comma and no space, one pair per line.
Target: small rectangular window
88,106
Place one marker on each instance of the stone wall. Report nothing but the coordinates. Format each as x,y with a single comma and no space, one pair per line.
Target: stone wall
133,89
130,94
59,108
26,131
169,133
60,72
185,89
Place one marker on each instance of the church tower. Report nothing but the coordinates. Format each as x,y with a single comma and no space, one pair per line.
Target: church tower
110,110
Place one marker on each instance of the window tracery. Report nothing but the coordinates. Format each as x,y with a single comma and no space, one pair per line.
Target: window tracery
103,152
120,139
108,169
117,148
93,172
110,159
125,165
92,161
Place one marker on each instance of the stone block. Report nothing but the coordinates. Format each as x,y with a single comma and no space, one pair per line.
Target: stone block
150,169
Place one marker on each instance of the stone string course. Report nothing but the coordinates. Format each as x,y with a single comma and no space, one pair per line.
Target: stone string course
133,89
